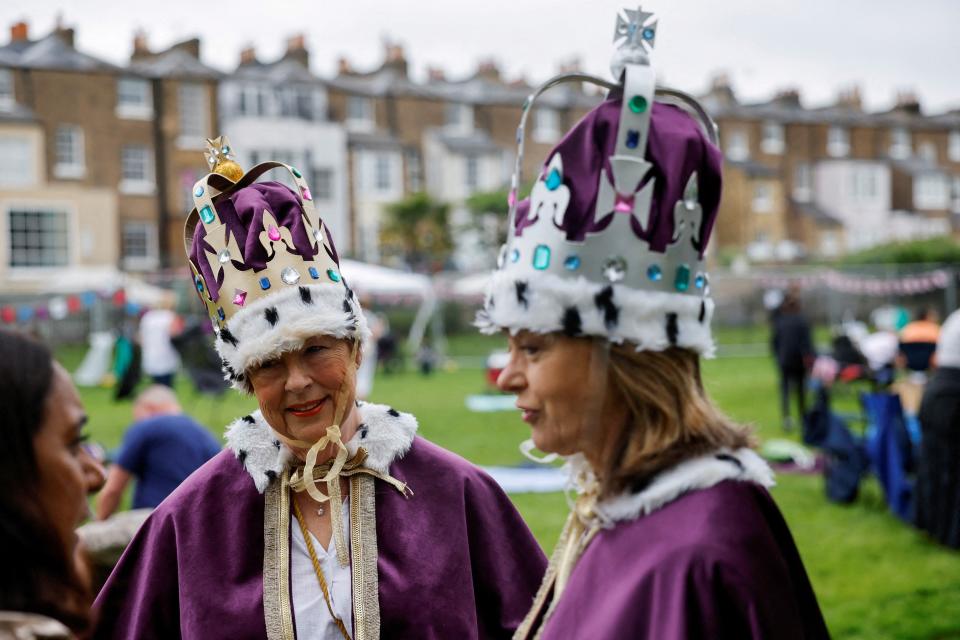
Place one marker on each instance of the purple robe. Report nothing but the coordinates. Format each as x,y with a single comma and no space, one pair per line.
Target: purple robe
717,562
455,560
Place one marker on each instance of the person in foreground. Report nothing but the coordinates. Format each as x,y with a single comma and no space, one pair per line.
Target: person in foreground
602,291
46,474
324,517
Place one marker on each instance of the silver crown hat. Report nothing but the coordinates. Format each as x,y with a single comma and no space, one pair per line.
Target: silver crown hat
611,241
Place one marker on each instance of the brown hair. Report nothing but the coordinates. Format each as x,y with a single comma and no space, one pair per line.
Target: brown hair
669,417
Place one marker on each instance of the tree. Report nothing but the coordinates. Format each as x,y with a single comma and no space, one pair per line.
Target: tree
489,218
418,231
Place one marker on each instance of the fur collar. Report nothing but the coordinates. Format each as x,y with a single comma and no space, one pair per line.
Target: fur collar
384,432
699,473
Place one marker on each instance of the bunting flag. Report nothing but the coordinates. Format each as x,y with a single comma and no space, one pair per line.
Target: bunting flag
908,285
60,307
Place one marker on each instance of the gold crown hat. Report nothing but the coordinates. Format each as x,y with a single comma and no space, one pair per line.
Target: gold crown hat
264,264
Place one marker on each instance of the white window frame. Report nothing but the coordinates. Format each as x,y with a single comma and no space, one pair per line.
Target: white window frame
773,141
8,98
761,200
150,258
458,117
360,113
900,143
382,170
546,125
471,173
414,170
953,146
931,191
193,120
323,184
140,108
927,151
802,182
17,170
70,231
142,184
838,142
737,144
74,167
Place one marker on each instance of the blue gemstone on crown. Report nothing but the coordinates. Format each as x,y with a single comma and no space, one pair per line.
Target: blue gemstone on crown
554,180
313,273
633,139
654,273
682,281
333,275
264,283
572,263
198,191
199,284
515,255
220,313
541,257
206,214
699,281
648,34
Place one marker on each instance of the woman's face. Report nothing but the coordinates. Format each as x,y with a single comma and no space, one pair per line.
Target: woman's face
67,471
297,390
560,389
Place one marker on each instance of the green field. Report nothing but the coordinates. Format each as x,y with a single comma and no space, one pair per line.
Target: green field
875,577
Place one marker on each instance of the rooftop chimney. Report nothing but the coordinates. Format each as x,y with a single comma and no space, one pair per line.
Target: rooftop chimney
248,55
191,47
789,97
488,70
721,93
394,57
850,98
297,50
140,47
19,31
907,102
436,74
343,66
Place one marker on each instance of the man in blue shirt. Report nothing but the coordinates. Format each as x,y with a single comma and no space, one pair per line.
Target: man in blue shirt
161,448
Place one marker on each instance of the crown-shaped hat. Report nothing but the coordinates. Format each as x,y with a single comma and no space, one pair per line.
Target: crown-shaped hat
611,241
264,265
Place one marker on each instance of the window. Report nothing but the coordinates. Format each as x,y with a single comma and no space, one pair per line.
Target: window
381,172
930,191
802,183
927,151
139,245
6,90
829,244
838,142
459,117
359,112
38,238
899,143
414,170
136,168
762,198
305,103
738,145
472,173
864,184
322,184
953,146
547,125
252,101
134,98
772,138
16,162
68,142
193,115
956,194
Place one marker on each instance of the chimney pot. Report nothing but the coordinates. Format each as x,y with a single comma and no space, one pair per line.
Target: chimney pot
19,31
248,55
343,66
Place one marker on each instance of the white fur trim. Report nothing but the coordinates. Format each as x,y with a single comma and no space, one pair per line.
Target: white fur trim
691,475
642,316
258,340
385,436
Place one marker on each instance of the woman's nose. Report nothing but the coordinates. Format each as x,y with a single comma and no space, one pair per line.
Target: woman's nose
94,475
510,378
297,377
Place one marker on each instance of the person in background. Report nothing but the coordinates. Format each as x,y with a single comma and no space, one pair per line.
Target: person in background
157,328
918,341
160,449
793,350
880,347
46,473
938,473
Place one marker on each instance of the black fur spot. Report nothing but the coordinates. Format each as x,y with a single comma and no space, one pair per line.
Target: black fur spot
270,313
726,457
346,306
672,329
363,431
521,287
227,336
572,324
305,296
242,456
249,420
393,412
611,312
227,369
703,311
276,444
491,303
356,402
271,474
240,377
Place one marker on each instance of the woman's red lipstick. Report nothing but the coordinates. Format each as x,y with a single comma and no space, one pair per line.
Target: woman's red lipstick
307,409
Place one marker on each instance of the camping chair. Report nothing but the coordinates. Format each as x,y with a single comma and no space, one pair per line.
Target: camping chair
891,450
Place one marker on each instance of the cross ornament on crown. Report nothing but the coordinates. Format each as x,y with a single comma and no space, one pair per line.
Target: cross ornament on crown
632,27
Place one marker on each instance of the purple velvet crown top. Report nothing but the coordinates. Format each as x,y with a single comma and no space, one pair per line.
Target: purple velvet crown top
676,147
242,214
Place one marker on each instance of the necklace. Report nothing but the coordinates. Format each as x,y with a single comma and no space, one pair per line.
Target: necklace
316,568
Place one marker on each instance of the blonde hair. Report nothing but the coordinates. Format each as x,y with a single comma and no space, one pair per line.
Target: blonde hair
669,417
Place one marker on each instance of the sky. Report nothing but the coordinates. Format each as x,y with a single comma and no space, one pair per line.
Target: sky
816,46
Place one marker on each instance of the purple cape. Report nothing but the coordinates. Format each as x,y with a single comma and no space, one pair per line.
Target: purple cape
455,560
715,563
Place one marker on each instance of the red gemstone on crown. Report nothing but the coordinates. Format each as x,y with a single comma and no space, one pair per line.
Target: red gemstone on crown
239,297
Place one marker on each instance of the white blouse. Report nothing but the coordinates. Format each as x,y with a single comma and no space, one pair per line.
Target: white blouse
313,621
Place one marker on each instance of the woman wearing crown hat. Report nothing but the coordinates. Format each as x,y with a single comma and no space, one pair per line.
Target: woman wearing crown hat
325,517
602,291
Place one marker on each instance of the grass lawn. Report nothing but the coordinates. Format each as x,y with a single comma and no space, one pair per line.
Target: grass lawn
875,576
